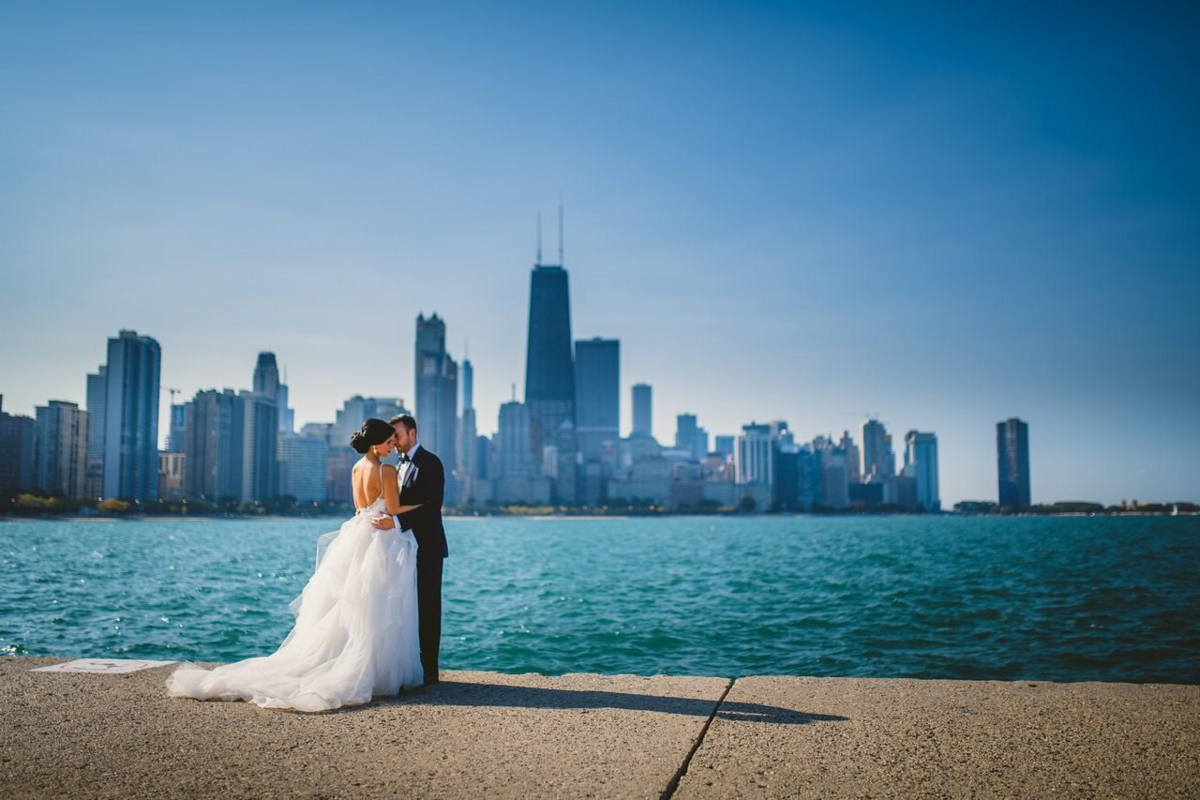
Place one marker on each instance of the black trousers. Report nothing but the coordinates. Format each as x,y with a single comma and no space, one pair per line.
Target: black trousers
429,608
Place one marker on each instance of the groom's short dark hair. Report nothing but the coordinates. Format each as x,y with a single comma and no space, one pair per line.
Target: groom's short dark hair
406,420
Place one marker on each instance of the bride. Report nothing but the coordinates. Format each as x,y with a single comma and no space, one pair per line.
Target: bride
355,635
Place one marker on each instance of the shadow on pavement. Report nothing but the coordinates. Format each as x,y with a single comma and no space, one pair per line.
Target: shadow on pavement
454,693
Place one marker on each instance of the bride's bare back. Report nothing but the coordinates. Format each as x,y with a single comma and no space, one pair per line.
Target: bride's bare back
366,479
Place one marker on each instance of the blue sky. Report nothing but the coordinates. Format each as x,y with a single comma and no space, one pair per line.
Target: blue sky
944,216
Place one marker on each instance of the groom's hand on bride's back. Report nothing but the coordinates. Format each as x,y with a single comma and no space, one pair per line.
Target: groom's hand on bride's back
383,522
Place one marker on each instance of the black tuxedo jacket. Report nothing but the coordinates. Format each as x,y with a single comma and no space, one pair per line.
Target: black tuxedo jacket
427,487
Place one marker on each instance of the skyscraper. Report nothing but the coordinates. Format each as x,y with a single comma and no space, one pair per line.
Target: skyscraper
1012,451
755,455
341,456
643,422
550,377
231,446
472,459
468,446
302,467
514,455
437,397
835,472
213,447
878,460
131,417
97,386
357,410
178,430
267,383
468,384
260,446
18,436
598,398
287,416
853,462
725,446
797,477
921,463
690,437
62,429
266,375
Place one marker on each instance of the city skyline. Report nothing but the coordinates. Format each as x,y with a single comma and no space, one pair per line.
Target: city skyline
666,438
945,217
236,445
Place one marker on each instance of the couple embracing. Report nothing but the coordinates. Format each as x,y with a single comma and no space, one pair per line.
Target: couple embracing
368,622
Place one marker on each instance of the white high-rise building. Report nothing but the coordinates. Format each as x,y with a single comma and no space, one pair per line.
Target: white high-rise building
755,455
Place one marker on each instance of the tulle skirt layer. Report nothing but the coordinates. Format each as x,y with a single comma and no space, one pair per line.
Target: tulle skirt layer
355,635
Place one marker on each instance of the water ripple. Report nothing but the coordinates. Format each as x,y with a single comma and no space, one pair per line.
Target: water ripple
983,598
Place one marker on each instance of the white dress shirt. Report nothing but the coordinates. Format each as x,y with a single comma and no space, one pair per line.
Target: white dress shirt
409,455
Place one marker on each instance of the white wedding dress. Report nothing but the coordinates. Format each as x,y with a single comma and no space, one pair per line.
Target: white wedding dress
355,635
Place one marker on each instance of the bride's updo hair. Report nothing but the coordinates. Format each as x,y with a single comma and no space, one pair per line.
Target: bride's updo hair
373,432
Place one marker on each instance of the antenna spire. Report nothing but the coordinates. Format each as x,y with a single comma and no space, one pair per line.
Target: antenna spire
539,238
560,230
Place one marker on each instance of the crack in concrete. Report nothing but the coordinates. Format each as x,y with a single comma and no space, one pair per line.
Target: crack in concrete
683,768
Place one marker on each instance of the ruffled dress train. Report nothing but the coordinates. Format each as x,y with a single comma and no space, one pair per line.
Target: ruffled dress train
355,635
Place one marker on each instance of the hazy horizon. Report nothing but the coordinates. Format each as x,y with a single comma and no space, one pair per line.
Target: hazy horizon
942,216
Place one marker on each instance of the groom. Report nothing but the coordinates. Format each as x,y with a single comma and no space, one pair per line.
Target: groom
422,480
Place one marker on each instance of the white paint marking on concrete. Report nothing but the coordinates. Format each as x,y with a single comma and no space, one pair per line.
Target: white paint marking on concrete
106,666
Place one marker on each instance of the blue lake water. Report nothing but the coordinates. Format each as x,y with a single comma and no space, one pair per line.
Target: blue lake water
1063,599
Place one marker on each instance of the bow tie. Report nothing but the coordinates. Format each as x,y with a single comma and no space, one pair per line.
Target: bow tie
404,459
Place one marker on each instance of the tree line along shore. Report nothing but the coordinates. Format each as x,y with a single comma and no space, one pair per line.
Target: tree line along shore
38,504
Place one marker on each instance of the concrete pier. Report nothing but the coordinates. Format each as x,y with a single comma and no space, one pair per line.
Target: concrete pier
492,735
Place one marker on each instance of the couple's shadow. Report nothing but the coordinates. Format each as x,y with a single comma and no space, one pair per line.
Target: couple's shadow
466,693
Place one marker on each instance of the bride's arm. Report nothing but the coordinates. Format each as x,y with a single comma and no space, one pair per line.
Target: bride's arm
391,492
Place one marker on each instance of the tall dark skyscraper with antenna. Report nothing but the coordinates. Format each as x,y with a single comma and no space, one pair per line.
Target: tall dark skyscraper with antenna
550,372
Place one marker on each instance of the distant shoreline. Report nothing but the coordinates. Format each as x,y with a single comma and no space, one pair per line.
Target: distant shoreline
582,515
